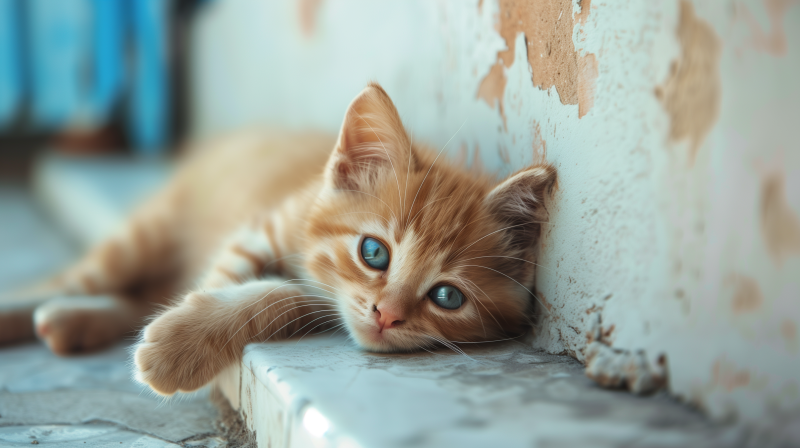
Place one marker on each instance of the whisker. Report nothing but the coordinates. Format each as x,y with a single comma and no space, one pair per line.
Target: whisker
429,351
513,258
282,258
452,347
490,301
520,284
265,309
372,195
464,286
339,328
371,213
455,238
431,167
287,283
461,251
486,342
423,208
312,321
384,150
318,325
327,310
408,171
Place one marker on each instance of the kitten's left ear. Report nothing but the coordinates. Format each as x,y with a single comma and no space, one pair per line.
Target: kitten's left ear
519,201
372,143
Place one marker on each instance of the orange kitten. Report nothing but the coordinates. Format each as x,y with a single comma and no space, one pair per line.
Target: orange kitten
385,239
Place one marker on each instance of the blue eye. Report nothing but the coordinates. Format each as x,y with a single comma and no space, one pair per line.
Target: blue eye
375,254
446,297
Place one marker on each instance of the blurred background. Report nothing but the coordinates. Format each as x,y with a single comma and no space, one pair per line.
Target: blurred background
672,124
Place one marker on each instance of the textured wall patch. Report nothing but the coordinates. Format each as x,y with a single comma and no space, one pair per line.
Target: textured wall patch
552,57
779,224
692,93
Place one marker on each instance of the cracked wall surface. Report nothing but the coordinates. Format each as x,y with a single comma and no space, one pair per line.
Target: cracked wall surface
675,230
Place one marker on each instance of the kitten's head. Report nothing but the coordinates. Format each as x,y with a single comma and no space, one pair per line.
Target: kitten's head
418,250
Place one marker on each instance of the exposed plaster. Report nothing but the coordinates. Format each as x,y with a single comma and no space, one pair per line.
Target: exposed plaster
747,296
773,41
692,93
553,60
308,11
622,369
780,226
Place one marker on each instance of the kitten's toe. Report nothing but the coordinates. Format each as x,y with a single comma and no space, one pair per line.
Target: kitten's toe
172,358
72,325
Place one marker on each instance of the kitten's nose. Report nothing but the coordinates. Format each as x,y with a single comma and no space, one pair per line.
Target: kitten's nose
387,317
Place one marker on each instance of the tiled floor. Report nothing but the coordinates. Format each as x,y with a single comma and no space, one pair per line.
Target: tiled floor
86,401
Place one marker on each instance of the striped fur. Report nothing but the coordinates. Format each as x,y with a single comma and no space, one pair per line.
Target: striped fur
294,267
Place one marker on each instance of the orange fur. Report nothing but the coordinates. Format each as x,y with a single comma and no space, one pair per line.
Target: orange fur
295,267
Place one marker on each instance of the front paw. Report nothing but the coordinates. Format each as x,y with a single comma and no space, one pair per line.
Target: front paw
177,353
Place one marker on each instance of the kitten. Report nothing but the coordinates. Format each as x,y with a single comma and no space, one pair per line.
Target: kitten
381,237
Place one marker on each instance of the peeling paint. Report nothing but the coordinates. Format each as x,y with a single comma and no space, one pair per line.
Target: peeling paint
789,333
586,7
774,41
308,11
779,224
503,153
623,369
492,87
587,74
554,62
538,143
725,374
691,95
747,296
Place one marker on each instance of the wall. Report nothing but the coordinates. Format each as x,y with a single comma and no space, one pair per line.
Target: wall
676,225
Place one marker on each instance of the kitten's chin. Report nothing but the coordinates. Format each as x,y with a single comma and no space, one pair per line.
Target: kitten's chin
384,342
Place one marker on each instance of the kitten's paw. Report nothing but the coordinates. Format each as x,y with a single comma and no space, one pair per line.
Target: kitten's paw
16,315
71,325
175,353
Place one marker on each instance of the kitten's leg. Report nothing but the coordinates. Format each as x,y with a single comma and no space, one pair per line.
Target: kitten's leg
141,253
16,313
81,324
187,346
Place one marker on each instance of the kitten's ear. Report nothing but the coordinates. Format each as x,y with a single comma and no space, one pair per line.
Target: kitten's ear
372,143
519,201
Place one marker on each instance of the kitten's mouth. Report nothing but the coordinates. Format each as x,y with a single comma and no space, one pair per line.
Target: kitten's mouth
374,339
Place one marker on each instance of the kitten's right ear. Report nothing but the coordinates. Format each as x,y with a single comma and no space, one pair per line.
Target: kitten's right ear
519,201
372,143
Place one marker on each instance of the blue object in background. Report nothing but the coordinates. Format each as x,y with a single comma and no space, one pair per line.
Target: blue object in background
11,79
149,112
58,45
108,46
85,60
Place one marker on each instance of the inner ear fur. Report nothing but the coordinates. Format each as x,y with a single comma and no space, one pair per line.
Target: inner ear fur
372,140
518,201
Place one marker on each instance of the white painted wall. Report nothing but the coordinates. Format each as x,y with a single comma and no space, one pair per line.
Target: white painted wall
696,258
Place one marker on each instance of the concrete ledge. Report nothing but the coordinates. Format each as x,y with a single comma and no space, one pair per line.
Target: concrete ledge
323,392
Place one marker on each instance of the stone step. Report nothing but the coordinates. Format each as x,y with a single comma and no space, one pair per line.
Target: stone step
324,392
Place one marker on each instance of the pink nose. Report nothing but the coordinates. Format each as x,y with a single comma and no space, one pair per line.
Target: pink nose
387,317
